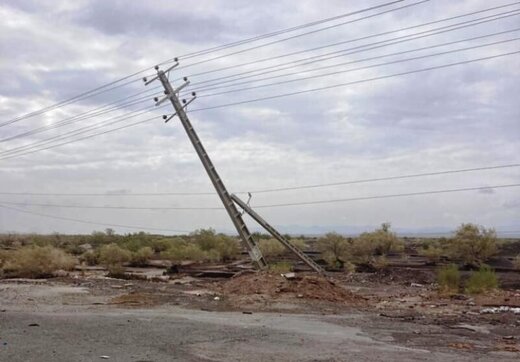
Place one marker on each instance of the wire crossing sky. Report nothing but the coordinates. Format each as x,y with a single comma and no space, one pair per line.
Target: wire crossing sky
291,101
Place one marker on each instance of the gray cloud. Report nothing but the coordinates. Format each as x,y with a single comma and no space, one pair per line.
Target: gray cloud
452,118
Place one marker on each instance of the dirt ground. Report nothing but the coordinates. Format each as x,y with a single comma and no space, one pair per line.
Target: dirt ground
377,316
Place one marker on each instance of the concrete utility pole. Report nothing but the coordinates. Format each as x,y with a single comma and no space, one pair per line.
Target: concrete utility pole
234,214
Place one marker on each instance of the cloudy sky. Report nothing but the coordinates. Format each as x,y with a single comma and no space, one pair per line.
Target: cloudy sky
456,117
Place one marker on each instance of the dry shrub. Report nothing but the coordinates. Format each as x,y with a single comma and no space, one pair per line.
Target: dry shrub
36,262
371,248
90,257
334,249
113,257
432,252
482,281
299,243
516,262
181,251
473,244
271,247
280,267
448,278
218,247
142,256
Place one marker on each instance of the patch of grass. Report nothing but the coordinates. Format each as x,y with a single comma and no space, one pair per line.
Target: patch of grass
482,281
36,262
281,267
448,278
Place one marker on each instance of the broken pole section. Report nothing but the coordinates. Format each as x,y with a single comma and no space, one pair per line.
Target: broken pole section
234,214
307,260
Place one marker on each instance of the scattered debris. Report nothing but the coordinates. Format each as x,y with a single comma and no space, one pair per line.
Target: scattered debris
247,312
465,346
104,357
502,309
289,276
34,325
417,285
472,328
216,298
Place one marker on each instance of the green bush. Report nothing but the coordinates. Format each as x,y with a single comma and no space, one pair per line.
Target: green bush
473,244
36,261
448,278
482,281
271,247
334,249
112,257
160,245
141,256
207,240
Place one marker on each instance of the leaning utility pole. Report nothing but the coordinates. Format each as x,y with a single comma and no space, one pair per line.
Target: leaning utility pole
234,214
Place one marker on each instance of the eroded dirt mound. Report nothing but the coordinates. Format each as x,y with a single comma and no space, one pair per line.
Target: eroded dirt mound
275,285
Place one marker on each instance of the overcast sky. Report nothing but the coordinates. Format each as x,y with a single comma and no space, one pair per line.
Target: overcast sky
452,118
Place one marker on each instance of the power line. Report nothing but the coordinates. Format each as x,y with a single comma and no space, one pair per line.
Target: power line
352,69
275,33
118,119
294,93
364,38
81,138
349,51
353,82
278,189
96,112
302,203
296,36
143,99
106,87
91,222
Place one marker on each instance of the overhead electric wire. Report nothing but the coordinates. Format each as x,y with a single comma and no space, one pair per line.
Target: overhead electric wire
110,107
82,138
247,101
278,189
262,206
275,33
352,50
142,99
91,222
294,36
355,69
433,192
366,37
78,131
282,95
104,88
23,150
